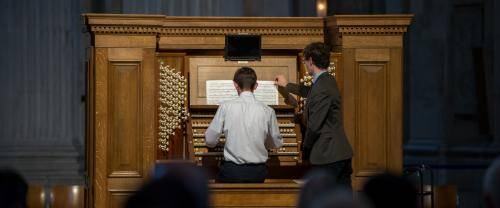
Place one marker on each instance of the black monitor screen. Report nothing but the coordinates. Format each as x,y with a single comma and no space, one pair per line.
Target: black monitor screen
242,47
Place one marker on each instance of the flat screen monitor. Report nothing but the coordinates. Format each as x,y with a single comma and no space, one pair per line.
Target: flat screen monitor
242,47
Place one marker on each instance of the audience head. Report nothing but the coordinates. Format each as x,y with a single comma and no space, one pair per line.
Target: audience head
387,190
491,185
317,182
340,197
13,189
245,79
176,185
316,55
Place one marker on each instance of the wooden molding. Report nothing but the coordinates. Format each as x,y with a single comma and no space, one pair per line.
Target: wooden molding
202,26
202,32
361,30
369,24
338,26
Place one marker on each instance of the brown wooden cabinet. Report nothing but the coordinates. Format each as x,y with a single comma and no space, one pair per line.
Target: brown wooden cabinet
122,118
372,89
123,90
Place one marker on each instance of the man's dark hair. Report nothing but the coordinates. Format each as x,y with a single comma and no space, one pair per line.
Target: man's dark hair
13,189
320,54
245,78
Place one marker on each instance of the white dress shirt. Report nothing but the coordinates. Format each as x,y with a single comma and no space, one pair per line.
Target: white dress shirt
249,126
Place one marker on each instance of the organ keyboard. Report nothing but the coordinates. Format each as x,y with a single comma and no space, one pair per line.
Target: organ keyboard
201,116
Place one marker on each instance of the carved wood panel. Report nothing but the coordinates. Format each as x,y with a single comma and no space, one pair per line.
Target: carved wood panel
124,115
125,103
118,199
371,118
372,107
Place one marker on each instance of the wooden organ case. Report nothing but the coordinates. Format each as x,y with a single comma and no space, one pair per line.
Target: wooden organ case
147,103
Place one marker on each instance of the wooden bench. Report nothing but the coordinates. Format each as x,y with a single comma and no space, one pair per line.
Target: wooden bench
271,193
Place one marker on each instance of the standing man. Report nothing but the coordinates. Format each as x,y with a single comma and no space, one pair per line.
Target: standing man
250,126
325,143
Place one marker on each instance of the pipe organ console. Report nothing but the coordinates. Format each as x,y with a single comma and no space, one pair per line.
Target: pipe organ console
135,118
201,70
288,155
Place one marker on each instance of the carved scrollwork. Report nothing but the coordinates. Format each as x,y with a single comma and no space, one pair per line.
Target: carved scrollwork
172,109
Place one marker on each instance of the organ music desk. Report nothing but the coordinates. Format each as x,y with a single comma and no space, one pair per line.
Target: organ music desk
147,99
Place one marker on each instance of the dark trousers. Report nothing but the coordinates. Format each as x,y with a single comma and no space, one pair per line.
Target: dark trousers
340,171
230,172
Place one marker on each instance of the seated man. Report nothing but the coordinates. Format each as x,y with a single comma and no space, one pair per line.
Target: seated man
249,126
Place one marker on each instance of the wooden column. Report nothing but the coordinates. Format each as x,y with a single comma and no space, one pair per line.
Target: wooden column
123,109
372,89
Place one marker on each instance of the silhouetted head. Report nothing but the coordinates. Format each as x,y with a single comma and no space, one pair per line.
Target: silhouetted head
13,189
387,190
177,185
340,197
317,183
491,185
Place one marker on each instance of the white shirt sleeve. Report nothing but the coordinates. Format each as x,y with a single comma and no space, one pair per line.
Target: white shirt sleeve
274,138
214,131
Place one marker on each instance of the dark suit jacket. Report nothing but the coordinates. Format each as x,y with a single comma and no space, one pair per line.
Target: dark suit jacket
324,137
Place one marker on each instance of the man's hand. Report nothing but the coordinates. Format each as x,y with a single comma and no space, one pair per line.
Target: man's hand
280,80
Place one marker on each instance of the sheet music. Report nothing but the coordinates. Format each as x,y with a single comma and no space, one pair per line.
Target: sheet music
222,90
219,91
266,92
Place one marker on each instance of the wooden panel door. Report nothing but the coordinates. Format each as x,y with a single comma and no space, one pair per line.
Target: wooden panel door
372,104
124,117
372,88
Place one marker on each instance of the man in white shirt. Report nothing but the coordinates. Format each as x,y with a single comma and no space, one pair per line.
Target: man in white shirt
250,128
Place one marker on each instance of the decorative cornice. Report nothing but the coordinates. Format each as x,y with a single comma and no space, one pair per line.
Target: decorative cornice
202,26
203,31
368,24
124,29
255,31
270,26
377,30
